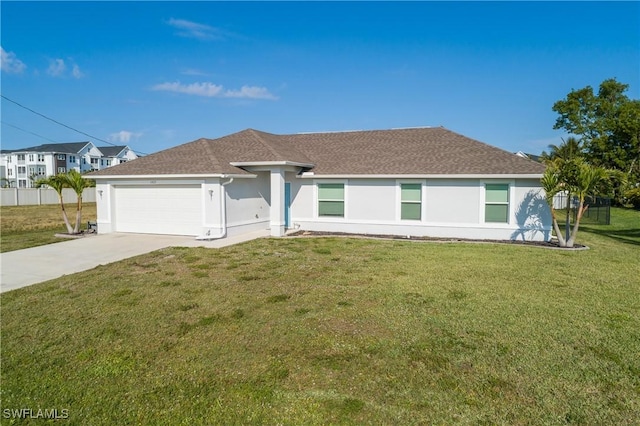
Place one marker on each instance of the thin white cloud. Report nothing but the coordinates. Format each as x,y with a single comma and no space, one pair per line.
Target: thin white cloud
199,89
195,30
76,71
10,63
211,90
195,72
124,136
252,92
56,67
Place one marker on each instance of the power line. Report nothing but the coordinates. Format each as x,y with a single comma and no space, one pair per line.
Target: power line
27,131
62,124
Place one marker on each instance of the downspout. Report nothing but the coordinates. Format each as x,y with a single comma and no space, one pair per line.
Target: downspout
223,207
223,214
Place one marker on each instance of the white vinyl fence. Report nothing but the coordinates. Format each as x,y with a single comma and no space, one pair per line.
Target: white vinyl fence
38,196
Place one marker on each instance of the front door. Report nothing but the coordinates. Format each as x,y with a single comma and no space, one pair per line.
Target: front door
287,205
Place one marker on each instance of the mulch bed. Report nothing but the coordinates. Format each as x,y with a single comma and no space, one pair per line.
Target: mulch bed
541,244
81,234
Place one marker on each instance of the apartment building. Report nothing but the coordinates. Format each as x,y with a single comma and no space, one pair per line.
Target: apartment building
23,167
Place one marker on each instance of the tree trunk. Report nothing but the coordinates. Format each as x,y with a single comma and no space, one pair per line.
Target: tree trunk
65,218
76,230
561,241
581,209
556,228
567,224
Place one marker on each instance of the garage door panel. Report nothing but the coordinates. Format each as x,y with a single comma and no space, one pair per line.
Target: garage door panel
159,209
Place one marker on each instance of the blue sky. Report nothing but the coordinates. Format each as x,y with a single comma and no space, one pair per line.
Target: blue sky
158,74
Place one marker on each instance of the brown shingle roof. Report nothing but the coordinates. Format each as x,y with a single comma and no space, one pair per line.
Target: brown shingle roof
416,151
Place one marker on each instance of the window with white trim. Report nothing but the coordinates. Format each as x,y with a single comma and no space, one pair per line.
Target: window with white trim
62,170
331,199
62,157
410,201
40,158
496,202
30,157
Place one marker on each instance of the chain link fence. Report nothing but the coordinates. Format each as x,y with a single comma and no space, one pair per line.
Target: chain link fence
599,211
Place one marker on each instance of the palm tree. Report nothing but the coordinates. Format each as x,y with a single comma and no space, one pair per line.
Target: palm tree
568,150
588,181
565,159
74,180
552,185
58,183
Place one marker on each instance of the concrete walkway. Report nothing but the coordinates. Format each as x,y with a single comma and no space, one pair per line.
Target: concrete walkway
21,268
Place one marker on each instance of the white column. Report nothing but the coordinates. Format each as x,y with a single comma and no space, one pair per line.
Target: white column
277,202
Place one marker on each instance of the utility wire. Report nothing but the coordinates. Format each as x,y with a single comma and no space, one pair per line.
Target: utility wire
27,131
63,125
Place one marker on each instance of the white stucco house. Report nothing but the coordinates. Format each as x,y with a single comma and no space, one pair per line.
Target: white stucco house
410,182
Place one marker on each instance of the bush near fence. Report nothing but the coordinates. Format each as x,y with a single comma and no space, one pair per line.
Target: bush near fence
39,196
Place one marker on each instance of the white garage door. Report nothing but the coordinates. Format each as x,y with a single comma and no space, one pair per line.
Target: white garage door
159,209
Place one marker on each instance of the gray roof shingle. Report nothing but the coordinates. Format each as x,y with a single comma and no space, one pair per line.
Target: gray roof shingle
62,148
413,151
111,151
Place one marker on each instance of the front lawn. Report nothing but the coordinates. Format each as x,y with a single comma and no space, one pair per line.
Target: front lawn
336,331
30,226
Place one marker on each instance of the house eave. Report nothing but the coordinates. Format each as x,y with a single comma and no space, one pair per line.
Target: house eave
311,175
270,164
174,176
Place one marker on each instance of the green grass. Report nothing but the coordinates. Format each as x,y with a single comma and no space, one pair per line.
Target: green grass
29,226
337,331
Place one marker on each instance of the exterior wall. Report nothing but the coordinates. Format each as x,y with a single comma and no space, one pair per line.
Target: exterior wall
106,201
449,201
302,199
248,204
451,208
90,158
246,199
128,155
364,199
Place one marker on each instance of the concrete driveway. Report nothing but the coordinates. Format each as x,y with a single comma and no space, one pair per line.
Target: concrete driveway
21,268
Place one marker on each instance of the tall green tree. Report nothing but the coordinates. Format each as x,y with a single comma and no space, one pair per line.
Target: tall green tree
608,124
58,183
78,183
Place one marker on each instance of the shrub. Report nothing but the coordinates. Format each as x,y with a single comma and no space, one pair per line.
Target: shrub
633,197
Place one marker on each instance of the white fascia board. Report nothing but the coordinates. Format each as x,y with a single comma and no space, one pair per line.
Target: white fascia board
269,163
177,176
426,176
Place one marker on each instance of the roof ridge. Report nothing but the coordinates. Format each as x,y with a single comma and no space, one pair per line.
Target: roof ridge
209,150
254,134
478,141
47,146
